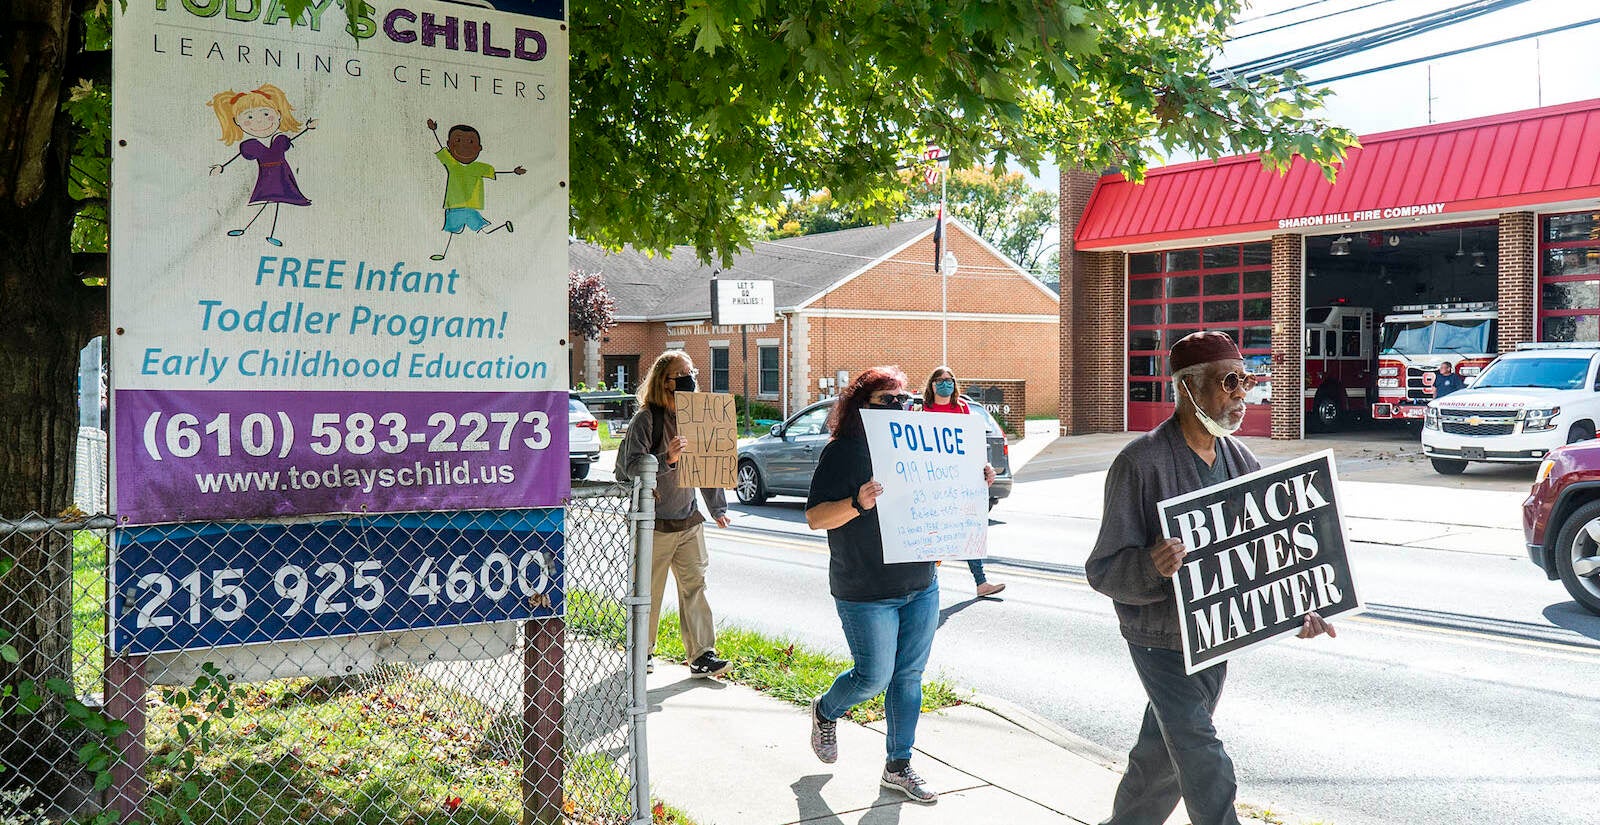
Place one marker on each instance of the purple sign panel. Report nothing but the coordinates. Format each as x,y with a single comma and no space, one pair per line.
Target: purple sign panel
193,455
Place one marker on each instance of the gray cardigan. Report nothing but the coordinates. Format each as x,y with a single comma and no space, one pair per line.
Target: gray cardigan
1153,467
672,501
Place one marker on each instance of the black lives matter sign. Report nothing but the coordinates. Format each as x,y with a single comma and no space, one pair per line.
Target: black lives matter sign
1264,550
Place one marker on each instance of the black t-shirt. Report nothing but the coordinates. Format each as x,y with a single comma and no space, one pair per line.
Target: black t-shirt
856,572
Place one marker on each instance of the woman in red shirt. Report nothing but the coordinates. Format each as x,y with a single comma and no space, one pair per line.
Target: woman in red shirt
941,394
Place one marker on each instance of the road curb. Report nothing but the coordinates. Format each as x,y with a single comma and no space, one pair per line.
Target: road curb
1047,730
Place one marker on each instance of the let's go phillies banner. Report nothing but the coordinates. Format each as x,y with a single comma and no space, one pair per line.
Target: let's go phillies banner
338,259
935,505
1264,550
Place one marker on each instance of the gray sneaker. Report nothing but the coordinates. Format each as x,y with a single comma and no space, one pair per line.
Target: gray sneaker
908,783
824,736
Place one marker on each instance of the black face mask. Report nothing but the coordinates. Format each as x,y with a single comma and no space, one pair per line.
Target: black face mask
683,383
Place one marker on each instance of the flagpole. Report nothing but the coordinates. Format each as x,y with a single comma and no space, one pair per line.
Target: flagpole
944,279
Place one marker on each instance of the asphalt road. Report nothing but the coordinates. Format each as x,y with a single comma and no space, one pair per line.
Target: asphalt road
1464,695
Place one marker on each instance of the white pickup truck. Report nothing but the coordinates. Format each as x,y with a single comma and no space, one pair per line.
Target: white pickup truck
1522,406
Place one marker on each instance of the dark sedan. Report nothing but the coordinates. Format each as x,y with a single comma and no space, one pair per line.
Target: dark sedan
781,462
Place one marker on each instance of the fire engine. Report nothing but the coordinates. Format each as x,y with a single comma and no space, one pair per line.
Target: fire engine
1339,370
1417,339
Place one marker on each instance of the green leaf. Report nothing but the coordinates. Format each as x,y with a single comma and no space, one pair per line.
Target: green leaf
9,653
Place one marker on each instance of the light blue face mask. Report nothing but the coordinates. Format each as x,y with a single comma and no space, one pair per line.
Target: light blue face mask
945,388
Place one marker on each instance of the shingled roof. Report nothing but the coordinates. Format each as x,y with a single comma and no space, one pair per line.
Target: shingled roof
678,287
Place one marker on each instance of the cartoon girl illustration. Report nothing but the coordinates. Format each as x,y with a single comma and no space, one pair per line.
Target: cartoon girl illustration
259,121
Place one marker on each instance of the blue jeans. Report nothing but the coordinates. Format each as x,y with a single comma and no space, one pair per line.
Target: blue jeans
1178,753
976,566
889,641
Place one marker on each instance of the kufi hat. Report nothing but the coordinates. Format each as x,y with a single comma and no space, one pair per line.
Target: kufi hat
1203,348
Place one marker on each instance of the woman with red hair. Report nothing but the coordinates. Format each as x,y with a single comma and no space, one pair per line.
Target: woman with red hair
888,611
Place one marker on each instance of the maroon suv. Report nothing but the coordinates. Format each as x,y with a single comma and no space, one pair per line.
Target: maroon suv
1561,520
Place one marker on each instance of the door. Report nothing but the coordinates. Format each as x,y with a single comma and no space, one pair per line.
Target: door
796,458
622,372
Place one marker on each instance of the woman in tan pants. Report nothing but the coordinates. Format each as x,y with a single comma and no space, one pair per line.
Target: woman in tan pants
679,541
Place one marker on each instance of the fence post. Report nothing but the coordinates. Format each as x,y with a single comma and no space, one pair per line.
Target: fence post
643,531
125,701
544,763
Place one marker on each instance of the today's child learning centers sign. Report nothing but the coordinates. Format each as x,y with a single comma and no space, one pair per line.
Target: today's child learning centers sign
338,260
935,505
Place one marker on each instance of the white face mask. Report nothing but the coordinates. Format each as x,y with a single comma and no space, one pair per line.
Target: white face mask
1216,430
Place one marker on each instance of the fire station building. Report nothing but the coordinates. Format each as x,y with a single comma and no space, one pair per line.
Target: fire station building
1452,241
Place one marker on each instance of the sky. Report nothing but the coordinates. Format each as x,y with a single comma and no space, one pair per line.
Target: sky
1562,68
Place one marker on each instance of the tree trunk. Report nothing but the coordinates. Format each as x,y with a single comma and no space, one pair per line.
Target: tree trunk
44,314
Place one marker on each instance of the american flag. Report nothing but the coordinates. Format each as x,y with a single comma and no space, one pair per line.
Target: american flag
933,154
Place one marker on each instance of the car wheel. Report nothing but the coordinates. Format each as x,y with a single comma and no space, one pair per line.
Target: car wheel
1326,414
1578,555
1581,431
748,486
1448,466
580,471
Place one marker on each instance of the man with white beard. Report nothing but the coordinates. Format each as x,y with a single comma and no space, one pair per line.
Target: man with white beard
1178,753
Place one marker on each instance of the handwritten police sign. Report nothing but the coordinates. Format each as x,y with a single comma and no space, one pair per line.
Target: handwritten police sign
935,505
1264,550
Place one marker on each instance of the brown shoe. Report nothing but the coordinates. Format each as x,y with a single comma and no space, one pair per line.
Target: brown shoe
988,589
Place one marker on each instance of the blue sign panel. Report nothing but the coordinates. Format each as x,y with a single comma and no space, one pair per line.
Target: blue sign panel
182,587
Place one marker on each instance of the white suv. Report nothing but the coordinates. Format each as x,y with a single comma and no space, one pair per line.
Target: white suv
1521,407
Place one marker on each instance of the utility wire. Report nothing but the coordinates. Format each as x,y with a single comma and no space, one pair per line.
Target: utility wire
1453,52
1282,26
1281,12
1348,45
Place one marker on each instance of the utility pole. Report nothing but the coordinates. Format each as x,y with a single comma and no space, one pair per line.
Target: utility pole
1431,98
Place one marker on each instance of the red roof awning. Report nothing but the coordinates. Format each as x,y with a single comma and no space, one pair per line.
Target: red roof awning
1540,156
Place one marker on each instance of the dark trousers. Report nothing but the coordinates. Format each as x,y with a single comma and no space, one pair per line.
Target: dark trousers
1178,753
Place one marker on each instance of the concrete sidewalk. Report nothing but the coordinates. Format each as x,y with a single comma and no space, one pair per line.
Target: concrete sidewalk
729,755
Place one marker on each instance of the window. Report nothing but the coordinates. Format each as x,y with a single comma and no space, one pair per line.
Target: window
1569,291
770,377
719,369
1176,292
814,422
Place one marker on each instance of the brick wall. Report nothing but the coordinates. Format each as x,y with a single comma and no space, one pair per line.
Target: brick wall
906,282
645,340
1100,400
1016,351
1076,187
1519,277
1006,400
821,344
1288,373
1025,350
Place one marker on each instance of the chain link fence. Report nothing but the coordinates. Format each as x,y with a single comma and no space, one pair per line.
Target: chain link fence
414,668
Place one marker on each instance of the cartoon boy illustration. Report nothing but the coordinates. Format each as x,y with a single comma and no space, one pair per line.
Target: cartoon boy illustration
463,189
257,120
